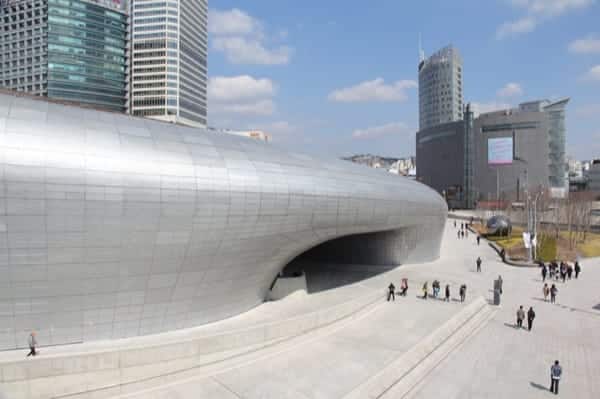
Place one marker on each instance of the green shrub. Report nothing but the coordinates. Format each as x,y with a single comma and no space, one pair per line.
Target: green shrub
546,251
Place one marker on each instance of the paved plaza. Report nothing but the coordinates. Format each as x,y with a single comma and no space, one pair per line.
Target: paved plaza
335,361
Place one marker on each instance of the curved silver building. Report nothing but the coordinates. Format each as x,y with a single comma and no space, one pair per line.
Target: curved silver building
115,226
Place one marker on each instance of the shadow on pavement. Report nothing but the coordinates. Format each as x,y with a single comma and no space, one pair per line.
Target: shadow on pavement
538,386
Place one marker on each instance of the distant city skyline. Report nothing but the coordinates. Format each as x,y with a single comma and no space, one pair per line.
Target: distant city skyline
315,82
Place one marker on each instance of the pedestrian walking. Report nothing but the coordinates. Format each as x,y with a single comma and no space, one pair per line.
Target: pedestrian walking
478,239
546,291
553,292
404,286
577,269
455,224
555,374
462,234
425,290
462,226
478,261
463,292
544,272
436,288
458,234
500,282
391,294
447,292
569,271
520,317
32,341
530,317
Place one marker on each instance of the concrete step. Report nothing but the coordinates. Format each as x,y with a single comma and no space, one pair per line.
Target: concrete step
399,378
105,374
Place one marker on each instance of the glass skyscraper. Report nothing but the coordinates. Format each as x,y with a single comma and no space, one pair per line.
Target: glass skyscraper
169,53
440,88
72,50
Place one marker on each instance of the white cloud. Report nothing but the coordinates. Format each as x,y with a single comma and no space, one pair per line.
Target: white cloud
373,90
482,108
510,90
537,12
551,8
232,22
378,131
243,50
523,25
593,74
242,39
241,95
278,129
588,45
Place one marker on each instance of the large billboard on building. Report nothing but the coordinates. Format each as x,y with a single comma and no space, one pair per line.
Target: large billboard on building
500,151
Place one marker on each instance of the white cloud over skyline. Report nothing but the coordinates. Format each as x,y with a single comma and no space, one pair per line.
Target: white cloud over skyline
242,94
510,90
373,91
593,74
537,12
382,130
242,39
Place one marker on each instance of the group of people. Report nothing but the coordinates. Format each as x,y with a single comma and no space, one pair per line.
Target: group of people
560,271
521,316
392,290
552,291
436,287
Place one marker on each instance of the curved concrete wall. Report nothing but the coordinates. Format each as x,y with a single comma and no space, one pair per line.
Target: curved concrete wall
113,226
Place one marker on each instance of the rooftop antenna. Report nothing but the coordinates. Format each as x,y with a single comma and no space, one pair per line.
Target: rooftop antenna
421,52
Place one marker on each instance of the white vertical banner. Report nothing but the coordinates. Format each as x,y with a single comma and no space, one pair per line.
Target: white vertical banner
527,240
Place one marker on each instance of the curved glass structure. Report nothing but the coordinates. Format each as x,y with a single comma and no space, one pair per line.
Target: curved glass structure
114,226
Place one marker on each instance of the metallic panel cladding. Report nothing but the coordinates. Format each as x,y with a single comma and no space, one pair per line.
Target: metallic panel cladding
114,226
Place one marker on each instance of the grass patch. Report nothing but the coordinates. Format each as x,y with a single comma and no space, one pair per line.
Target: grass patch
588,248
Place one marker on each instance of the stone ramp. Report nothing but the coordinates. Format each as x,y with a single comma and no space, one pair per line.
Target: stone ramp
399,378
102,369
337,366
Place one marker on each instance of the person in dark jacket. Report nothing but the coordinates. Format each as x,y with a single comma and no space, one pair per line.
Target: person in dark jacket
553,292
478,262
463,292
520,317
391,294
544,272
32,341
555,374
577,269
530,317
478,239
447,292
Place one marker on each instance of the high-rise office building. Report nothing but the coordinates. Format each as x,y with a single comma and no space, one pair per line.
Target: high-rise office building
169,67
73,50
440,88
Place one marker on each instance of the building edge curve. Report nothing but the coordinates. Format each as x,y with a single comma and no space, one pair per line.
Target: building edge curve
115,226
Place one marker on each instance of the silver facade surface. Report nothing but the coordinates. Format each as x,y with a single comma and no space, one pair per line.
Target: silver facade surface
169,60
440,88
114,226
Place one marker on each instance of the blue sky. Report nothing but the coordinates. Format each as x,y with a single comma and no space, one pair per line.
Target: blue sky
339,77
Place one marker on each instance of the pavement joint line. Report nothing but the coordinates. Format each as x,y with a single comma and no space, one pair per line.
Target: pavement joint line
225,387
448,354
287,344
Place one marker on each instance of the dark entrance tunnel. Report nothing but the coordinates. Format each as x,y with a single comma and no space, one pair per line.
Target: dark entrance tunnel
350,259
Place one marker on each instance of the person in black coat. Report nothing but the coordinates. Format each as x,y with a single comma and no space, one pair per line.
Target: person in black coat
391,293
577,269
530,317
